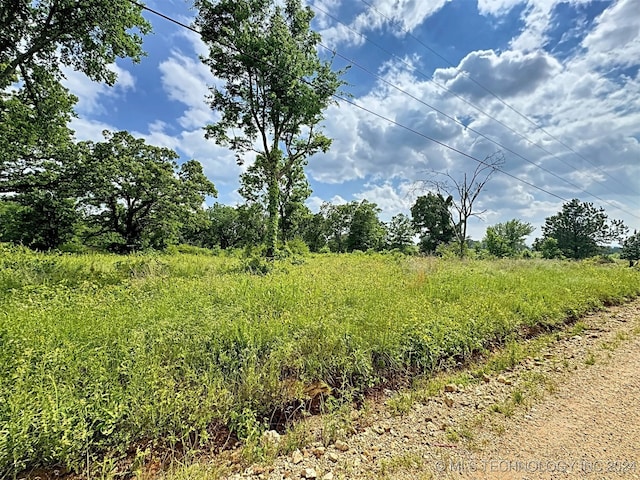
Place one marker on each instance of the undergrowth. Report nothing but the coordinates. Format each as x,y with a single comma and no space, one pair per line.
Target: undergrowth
100,353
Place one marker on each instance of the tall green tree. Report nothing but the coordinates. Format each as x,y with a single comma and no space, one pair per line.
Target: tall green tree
35,141
135,193
507,239
314,231
581,229
294,190
400,233
275,87
338,220
631,248
366,231
431,217
224,230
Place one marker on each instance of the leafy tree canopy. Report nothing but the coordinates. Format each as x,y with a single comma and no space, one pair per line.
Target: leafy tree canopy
431,218
400,232
40,36
507,239
631,248
275,87
580,229
136,198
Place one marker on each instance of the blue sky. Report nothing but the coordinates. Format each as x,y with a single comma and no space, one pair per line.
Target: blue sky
567,116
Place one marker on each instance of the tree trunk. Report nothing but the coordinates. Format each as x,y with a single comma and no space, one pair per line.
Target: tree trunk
273,192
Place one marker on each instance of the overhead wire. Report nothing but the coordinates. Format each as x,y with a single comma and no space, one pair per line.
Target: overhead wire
453,119
471,104
378,115
490,92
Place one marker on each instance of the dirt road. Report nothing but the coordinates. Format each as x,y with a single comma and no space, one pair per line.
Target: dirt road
571,410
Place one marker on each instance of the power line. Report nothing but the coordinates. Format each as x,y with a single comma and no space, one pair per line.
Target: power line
449,147
371,112
490,92
471,104
453,119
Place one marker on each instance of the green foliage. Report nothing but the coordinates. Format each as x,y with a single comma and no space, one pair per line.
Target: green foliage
275,91
298,246
294,190
432,220
135,197
100,352
87,36
549,248
365,229
631,248
580,229
507,239
400,232
314,232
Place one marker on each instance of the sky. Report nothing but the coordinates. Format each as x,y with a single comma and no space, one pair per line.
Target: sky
552,86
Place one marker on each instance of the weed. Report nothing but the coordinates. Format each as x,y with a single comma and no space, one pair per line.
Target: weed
101,352
591,359
517,397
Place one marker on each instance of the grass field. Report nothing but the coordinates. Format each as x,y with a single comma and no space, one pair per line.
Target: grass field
99,353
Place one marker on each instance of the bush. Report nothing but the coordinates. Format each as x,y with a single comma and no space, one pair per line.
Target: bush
297,246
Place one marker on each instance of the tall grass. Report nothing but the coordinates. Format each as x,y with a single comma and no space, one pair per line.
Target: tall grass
100,353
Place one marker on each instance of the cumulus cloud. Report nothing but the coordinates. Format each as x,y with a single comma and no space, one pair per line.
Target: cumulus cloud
399,17
91,94
508,74
615,40
185,79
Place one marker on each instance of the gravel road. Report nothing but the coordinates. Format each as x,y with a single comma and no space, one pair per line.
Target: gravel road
572,410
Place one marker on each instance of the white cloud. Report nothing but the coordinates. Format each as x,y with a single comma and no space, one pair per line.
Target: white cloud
496,7
391,199
399,16
86,129
185,79
507,74
91,94
615,40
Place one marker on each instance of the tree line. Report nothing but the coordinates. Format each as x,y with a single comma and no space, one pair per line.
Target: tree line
122,194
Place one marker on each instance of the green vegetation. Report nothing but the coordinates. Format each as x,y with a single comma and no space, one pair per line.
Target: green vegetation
99,353
631,249
580,230
251,43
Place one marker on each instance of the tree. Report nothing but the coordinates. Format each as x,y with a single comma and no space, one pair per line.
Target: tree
252,224
275,87
314,231
431,218
35,141
294,190
37,37
39,219
224,229
40,170
365,229
464,193
400,232
507,239
580,229
134,195
631,248
338,220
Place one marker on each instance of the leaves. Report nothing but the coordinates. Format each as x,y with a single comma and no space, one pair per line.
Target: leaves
134,192
274,94
85,35
580,229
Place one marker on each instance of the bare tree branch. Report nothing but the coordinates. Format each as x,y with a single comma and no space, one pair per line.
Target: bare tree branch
464,192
